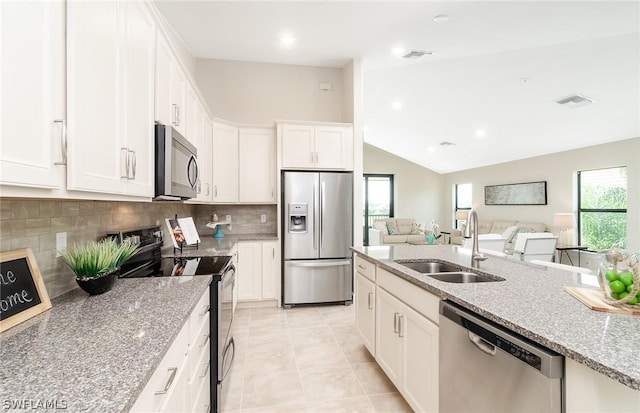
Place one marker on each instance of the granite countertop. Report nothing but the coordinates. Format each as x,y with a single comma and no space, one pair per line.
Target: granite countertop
532,302
210,246
95,353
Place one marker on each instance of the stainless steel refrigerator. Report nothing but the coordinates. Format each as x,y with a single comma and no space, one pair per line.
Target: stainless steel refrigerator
318,231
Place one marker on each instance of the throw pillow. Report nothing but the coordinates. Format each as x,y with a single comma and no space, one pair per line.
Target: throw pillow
415,229
509,233
381,226
392,228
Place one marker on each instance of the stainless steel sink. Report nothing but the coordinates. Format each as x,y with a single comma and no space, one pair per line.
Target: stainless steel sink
461,277
446,272
429,267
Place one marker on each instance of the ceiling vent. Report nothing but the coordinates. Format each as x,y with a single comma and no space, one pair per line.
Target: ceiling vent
574,101
445,143
414,54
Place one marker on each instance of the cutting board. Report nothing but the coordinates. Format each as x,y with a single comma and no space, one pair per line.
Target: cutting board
595,301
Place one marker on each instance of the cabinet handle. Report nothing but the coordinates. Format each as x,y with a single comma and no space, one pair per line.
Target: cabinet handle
205,310
169,382
63,141
215,191
178,120
206,340
206,369
370,296
395,322
317,157
134,164
207,186
401,326
273,254
199,187
362,267
312,157
131,171
124,156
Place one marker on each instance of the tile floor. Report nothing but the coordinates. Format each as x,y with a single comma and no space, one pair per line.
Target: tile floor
306,359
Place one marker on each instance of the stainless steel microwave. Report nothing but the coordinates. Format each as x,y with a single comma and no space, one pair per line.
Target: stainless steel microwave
177,171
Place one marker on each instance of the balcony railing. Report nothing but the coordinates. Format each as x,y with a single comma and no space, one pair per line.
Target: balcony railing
370,219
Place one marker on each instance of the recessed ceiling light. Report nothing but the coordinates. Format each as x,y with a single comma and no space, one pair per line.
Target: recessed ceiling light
397,51
397,105
431,149
415,54
440,18
574,101
480,133
287,40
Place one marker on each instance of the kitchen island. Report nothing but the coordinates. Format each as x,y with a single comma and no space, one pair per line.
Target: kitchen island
95,353
532,302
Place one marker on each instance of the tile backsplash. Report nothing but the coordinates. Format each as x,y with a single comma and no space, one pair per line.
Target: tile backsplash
33,223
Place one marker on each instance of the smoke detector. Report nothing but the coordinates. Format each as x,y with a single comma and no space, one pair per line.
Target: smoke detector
574,101
414,54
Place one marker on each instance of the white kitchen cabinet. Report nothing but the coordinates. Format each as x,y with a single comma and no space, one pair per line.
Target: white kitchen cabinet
389,344
205,164
225,163
193,117
365,296
305,146
170,87
270,270
178,383
249,275
258,271
32,86
257,165
110,67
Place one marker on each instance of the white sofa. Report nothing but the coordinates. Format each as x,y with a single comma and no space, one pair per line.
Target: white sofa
407,230
491,233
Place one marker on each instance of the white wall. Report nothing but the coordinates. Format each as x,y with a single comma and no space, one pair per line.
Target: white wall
417,190
260,93
559,171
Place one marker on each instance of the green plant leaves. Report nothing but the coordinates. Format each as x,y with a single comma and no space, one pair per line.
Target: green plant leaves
95,259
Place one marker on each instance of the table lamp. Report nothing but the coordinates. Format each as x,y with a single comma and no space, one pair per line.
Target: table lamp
566,221
462,215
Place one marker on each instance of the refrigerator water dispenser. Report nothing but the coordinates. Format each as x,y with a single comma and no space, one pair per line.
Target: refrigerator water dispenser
297,217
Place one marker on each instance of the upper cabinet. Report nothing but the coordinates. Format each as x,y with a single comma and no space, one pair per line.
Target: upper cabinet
244,168
322,146
257,165
170,87
110,67
32,115
225,163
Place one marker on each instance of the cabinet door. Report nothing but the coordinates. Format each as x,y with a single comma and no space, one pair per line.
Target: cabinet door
32,87
178,97
249,275
298,146
163,87
193,117
257,165
136,103
270,271
205,152
388,341
334,147
365,311
225,163
420,361
96,160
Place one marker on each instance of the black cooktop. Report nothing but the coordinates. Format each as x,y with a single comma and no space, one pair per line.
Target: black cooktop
192,266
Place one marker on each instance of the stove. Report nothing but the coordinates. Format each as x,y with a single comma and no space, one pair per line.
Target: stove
148,262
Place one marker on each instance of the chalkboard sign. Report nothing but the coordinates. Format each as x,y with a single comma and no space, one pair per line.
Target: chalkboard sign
22,291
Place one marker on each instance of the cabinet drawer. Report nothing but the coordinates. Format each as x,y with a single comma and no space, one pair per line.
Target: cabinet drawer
421,300
165,378
366,268
199,351
199,315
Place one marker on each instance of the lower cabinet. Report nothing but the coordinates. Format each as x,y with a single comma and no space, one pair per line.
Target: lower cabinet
404,332
258,271
365,300
180,383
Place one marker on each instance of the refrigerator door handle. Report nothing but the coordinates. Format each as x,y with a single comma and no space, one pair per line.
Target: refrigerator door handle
318,263
322,206
315,216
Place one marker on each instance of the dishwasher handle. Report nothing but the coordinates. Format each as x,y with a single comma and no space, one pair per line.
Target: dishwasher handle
483,345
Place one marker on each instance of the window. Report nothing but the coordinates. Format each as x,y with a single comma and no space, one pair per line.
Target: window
463,202
378,200
602,208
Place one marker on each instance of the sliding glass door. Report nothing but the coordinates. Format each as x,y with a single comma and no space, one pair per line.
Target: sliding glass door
378,200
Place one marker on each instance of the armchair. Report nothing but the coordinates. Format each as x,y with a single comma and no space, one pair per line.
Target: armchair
535,246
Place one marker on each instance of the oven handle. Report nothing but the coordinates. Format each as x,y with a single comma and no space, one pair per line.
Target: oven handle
232,344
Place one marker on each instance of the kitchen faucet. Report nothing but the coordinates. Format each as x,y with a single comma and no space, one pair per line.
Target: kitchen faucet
471,231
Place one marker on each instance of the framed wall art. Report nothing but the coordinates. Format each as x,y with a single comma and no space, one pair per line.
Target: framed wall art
528,193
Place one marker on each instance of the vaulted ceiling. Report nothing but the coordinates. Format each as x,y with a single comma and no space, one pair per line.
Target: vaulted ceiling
486,90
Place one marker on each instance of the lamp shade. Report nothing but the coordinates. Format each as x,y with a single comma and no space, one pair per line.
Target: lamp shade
461,215
564,220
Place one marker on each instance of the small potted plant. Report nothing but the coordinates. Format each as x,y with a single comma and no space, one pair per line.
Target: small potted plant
96,264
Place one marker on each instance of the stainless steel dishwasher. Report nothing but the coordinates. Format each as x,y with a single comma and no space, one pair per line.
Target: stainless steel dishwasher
487,368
